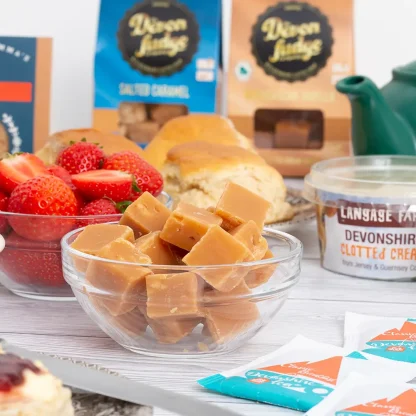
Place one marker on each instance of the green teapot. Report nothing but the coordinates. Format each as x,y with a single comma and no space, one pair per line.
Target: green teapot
383,120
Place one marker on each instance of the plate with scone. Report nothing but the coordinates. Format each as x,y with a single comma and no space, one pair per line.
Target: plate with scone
199,154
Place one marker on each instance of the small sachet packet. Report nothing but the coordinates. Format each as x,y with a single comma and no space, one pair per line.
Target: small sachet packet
392,338
364,396
301,374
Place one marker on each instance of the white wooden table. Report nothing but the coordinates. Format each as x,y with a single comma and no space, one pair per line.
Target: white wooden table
315,309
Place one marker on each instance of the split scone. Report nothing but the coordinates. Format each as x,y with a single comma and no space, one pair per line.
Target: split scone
198,172
210,128
110,143
28,389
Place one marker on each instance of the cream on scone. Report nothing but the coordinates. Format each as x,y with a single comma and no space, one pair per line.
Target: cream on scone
198,172
28,389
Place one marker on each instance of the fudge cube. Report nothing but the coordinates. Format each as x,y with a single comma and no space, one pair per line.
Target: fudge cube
187,224
226,315
131,324
143,132
171,331
250,235
173,295
238,205
130,113
292,134
121,284
158,250
260,274
163,113
144,215
96,236
218,247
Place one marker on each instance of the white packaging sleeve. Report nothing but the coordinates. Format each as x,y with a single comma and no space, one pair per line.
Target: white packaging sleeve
391,338
363,396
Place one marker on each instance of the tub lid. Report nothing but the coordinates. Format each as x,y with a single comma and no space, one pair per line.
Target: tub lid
383,179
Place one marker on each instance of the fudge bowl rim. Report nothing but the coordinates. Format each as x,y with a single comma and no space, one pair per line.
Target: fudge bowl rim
6,214
296,250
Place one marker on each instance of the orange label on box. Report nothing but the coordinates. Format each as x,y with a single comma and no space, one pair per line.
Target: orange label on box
20,92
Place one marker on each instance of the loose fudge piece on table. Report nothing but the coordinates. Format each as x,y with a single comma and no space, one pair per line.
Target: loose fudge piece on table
121,284
144,215
217,247
187,225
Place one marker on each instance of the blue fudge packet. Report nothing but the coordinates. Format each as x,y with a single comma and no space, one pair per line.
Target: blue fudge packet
155,60
301,374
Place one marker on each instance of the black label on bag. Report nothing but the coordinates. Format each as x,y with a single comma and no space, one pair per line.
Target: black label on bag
158,37
292,41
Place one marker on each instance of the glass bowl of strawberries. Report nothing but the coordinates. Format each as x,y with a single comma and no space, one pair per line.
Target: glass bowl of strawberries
39,204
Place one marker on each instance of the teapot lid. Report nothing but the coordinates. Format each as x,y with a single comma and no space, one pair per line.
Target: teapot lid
405,72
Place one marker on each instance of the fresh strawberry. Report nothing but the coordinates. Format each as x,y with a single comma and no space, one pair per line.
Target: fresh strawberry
103,183
106,209
80,199
147,177
61,173
51,199
4,225
31,262
81,157
18,168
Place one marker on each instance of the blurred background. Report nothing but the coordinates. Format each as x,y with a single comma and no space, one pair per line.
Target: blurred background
379,47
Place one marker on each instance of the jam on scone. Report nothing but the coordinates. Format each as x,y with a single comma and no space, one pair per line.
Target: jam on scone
28,389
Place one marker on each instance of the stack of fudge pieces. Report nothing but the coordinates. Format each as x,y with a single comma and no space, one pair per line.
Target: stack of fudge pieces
173,302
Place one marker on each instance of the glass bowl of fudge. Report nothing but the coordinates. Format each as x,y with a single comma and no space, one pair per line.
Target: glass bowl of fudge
185,282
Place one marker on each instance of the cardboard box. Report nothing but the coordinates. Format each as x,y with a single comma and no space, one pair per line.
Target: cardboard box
25,85
285,58
155,60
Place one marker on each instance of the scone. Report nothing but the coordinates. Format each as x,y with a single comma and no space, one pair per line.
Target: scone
4,140
197,173
111,143
209,128
28,389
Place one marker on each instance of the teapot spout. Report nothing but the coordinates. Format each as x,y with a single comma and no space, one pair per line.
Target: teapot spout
376,128
358,86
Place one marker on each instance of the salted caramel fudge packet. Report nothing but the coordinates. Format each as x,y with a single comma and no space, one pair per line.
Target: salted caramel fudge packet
362,396
302,373
391,338
155,60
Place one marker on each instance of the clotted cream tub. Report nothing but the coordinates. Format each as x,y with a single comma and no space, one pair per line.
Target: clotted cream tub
366,215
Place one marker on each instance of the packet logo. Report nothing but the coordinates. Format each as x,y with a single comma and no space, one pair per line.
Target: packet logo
158,37
402,405
292,41
395,344
298,385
